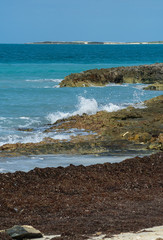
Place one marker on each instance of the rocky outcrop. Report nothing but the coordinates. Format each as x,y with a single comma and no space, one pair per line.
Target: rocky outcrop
23,232
147,74
156,87
130,129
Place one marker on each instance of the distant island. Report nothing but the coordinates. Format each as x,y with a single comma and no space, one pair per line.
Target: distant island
95,43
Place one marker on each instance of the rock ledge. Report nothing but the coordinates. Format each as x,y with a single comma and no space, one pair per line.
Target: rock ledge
147,74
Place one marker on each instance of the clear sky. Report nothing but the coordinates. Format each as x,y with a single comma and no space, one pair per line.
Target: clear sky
71,20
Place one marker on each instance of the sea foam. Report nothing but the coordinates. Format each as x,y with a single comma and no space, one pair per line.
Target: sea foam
38,136
33,137
88,106
56,80
111,107
2,170
85,105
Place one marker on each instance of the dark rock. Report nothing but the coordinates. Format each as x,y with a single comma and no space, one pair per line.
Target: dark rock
25,129
147,74
156,87
22,232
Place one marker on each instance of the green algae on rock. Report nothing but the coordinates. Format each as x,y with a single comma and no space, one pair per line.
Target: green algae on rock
130,129
155,87
147,74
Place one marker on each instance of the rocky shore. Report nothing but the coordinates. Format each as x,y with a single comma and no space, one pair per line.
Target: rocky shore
156,87
147,74
124,131
77,202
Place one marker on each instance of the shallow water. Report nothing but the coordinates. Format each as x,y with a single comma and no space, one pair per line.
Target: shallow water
27,163
30,96
35,108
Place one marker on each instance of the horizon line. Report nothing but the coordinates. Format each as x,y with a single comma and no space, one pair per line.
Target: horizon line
89,42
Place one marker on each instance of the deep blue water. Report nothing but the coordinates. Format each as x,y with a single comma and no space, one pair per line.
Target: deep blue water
81,54
29,78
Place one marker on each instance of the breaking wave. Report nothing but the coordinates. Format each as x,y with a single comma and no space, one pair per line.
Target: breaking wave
111,107
85,105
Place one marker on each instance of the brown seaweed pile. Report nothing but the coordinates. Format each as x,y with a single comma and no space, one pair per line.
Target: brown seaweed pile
78,201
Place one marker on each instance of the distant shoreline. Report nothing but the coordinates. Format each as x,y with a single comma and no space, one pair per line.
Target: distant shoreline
96,43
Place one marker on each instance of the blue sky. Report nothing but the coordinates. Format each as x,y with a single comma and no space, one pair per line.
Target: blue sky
71,20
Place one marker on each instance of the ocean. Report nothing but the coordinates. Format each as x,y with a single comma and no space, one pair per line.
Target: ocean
30,96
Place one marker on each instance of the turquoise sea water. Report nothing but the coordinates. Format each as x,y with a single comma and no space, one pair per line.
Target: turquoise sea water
30,96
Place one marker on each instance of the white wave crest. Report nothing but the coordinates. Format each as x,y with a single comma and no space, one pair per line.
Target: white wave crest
85,105
24,118
111,107
53,117
44,80
88,106
117,85
140,86
2,118
32,137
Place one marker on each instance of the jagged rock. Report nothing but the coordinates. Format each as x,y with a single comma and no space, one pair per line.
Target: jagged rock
155,145
156,87
160,138
21,232
147,74
25,129
126,129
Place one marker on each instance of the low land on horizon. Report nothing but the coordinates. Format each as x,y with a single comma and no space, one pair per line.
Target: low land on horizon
92,42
